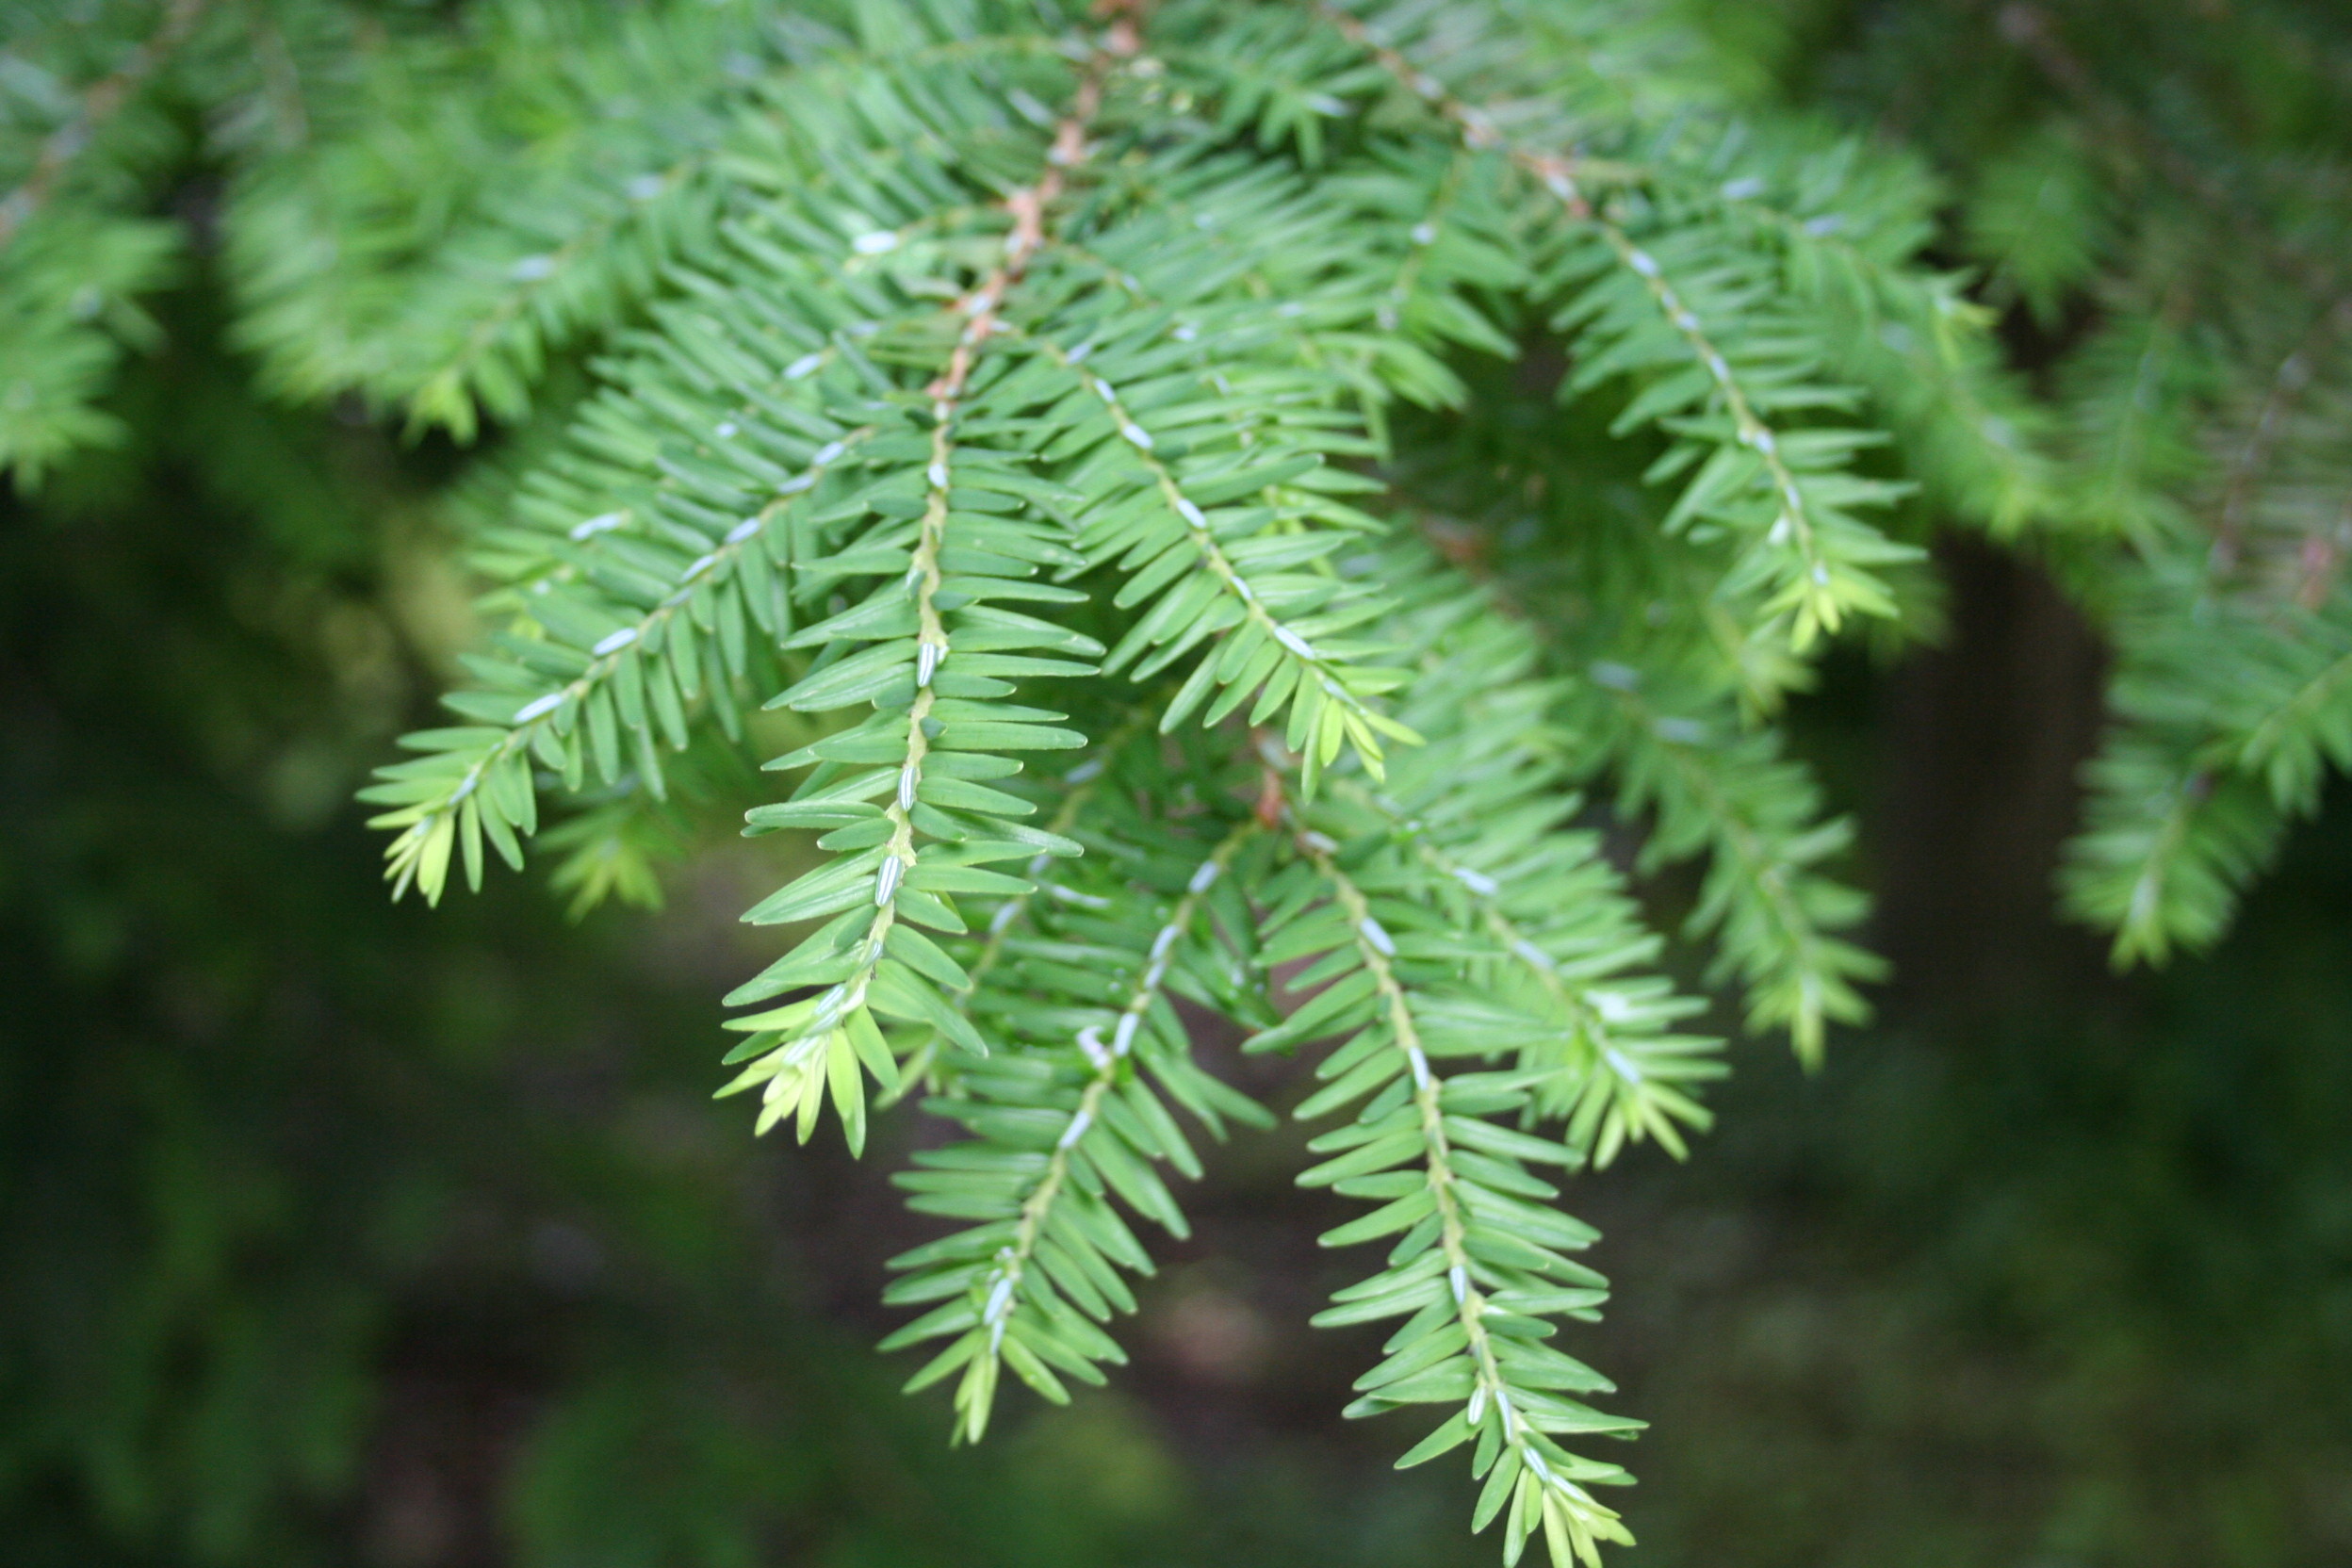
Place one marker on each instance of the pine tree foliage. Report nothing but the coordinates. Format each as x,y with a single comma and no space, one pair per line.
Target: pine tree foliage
2169,196
1223,507
74,253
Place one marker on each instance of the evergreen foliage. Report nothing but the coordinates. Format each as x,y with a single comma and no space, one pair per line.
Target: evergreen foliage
1185,495
2161,195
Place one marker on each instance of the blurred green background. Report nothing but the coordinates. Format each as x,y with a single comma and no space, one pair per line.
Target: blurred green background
338,1233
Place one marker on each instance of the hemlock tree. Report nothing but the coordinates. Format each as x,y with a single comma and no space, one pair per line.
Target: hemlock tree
2162,205
1189,501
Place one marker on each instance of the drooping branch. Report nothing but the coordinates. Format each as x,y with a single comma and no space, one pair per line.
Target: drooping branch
100,101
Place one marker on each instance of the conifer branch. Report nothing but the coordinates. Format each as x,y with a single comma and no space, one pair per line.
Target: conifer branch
99,102
1111,276
1451,1273
807,1049
2169,838
904,355
1817,609
1815,585
2307,718
1424,236
475,373
1373,947
2239,484
2125,139
1326,712
1590,1075
1083,781
1770,914
476,781
1728,794
1000,1286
